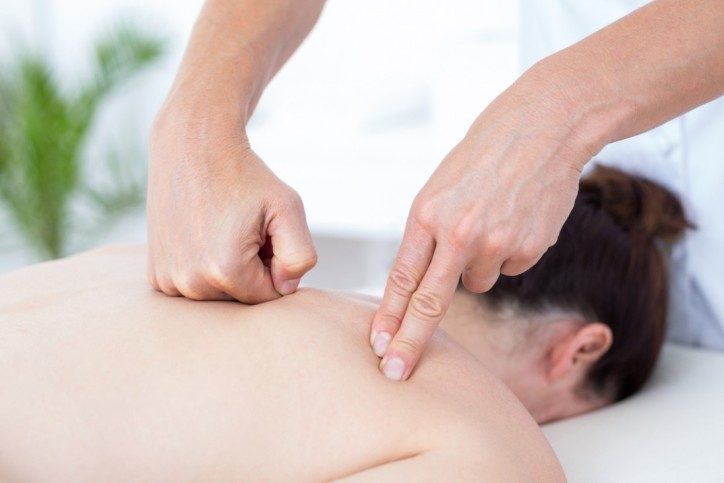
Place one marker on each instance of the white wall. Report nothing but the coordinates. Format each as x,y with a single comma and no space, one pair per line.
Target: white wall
356,121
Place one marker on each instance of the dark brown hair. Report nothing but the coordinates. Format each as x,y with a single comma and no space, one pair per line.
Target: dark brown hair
608,266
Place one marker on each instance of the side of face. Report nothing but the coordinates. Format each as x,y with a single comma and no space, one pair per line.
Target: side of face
543,358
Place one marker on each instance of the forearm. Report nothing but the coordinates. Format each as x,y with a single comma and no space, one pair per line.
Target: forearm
236,48
639,72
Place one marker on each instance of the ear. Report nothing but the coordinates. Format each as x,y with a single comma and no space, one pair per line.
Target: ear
584,345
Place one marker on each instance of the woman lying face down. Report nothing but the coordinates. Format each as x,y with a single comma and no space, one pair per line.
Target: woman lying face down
584,327
106,380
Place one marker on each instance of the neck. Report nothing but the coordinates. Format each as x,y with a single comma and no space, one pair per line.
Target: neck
517,349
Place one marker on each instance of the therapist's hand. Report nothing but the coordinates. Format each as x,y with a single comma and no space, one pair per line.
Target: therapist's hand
494,205
221,225
499,199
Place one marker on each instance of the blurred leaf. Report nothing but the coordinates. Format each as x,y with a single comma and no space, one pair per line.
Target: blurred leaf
119,55
39,168
43,133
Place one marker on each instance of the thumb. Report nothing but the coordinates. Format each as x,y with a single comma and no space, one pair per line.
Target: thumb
293,252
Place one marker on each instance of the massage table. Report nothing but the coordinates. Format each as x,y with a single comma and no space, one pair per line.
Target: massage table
670,431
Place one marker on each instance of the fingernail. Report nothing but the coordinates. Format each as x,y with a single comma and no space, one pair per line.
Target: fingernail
289,286
394,369
382,340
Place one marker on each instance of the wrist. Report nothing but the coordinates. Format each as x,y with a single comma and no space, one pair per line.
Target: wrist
199,125
586,100
204,103
206,92
220,71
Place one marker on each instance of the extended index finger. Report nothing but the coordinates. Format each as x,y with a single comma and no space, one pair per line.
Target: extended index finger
426,309
413,260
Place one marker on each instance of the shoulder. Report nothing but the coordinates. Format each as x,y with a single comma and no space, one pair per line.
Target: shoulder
110,263
481,425
458,413
452,411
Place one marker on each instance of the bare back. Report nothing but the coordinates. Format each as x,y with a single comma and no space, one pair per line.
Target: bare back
106,380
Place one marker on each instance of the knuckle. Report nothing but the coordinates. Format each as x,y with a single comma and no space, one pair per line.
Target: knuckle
289,201
387,320
513,268
488,283
425,213
552,239
495,244
476,284
305,262
294,199
531,250
402,282
189,285
313,258
167,287
219,275
427,306
461,235
407,345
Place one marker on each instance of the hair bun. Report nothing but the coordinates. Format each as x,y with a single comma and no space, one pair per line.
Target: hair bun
636,204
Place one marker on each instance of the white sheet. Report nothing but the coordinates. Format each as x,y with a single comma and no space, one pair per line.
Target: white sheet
672,431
